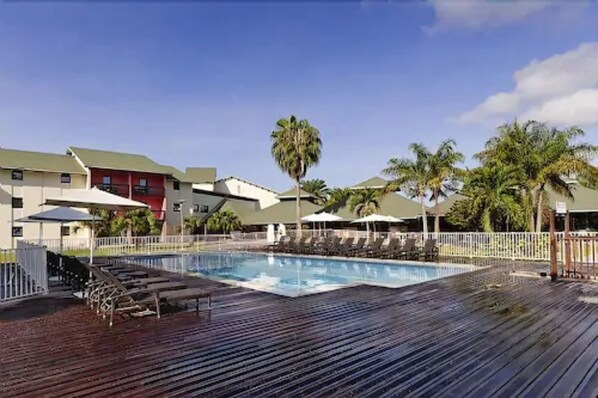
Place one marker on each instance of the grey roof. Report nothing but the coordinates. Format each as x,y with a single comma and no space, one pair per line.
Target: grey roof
292,194
446,204
374,182
60,214
94,158
39,161
201,174
585,199
392,204
283,212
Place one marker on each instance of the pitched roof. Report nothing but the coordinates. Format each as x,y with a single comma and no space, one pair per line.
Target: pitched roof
116,160
282,212
201,174
392,204
446,204
39,161
246,182
177,174
241,209
374,182
585,199
292,194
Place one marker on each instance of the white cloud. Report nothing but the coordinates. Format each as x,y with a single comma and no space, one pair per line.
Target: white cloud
560,89
475,14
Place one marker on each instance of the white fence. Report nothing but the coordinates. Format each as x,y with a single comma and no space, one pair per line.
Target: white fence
23,272
505,245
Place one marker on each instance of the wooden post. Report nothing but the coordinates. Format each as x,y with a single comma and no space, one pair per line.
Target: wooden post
567,261
554,270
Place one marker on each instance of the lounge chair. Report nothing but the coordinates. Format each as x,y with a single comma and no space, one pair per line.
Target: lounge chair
329,246
428,252
284,246
277,244
300,245
356,248
392,245
343,247
399,252
372,247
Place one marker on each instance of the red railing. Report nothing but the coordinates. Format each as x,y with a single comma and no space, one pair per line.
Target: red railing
141,190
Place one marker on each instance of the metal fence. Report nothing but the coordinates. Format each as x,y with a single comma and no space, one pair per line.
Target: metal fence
502,245
23,272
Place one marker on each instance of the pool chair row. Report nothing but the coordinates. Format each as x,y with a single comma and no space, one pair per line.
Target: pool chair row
349,247
117,289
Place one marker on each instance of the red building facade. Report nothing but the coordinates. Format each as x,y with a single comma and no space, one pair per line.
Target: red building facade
148,188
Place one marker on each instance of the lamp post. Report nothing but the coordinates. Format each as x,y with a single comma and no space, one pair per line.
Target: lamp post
181,202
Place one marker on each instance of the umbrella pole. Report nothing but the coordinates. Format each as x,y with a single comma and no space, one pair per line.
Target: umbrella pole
91,245
367,231
61,239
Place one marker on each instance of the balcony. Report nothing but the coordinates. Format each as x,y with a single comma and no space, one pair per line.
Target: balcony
141,190
116,189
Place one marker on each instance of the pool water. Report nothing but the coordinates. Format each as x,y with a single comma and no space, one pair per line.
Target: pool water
297,276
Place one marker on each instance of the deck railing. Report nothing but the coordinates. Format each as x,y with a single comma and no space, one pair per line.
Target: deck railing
23,272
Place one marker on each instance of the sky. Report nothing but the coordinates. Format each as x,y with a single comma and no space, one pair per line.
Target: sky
202,84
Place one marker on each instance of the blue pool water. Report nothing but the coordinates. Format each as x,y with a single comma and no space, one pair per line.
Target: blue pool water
296,276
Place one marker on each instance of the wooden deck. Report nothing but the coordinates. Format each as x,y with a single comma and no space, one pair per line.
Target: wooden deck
473,335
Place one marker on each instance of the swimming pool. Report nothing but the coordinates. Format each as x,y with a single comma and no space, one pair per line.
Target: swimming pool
294,276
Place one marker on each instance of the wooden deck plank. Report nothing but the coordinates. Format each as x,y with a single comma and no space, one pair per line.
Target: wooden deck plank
448,337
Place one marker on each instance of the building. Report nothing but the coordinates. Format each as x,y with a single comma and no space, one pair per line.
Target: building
239,187
26,179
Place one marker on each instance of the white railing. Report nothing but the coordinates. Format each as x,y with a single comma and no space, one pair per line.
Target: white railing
23,271
505,245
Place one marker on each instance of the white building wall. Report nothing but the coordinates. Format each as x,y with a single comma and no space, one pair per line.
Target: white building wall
238,187
204,186
173,218
34,189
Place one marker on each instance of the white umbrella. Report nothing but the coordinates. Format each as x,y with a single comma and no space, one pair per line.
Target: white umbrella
94,199
282,230
270,234
321,217
372,218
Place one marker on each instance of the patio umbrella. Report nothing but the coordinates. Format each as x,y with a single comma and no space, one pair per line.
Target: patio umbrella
321,218
270,235
94,199
372,218
59,215
282,230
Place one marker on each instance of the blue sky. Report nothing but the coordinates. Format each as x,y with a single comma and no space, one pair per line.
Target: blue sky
201,84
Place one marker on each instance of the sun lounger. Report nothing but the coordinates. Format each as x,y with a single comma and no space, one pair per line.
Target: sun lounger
402,251
374,246
329,246
356,248
343,247
392,245
428,252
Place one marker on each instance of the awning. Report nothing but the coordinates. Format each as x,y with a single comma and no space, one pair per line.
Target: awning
94,198
60,215
321,217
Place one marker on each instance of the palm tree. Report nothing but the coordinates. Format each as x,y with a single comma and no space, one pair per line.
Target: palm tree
338,197
317,187
365,202
543,156
296,146
102,227
443,174
192,224
494,195
223,221
141,222
411,176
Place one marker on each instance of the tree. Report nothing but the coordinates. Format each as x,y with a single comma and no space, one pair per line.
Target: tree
223,221
443,174
494,197
411,176
365,202
192,224
141,222
338,198
543,156
103,227
296,146
317,188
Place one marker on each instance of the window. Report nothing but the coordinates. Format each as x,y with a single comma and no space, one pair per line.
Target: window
17,203
17,175
195,208
65,178
107,180
204,209
176,185
17,232
65,230
142,182
176,207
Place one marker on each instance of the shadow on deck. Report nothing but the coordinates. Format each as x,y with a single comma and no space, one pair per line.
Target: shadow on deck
485,333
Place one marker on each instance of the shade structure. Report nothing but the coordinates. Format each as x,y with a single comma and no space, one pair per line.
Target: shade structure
371,218
270,235
59,215
321,217
393,219
94,198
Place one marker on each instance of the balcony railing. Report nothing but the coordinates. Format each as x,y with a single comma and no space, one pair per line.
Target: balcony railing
141,190
117,189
